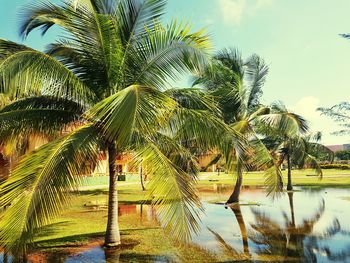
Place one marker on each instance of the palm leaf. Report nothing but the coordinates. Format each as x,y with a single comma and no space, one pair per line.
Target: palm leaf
256,73
287,123
136,107
37,115
261,158
25,71
166,52
41,182
134,17
173,191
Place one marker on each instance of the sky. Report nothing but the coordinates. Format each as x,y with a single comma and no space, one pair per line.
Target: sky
309,62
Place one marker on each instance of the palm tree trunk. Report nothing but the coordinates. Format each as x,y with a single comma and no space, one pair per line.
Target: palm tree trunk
112,238
289,185
240,219
141,178
234,198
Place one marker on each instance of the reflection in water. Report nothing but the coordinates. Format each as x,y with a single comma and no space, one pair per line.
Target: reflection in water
228,249
286,240
112,255
240,219
305,226
301,229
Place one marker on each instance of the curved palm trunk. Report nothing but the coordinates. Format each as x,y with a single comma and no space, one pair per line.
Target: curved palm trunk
289,185
234,198
240,219
112,238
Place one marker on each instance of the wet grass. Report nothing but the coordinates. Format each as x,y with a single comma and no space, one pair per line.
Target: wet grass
81,224
83,221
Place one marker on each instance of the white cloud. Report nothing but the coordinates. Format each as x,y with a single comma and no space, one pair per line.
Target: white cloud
307,107
233,11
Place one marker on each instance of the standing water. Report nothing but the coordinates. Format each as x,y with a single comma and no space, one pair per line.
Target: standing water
307,225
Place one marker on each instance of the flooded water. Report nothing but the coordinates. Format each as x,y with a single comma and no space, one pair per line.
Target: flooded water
308,225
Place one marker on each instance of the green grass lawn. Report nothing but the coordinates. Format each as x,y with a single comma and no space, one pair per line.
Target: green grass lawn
331,177
84,220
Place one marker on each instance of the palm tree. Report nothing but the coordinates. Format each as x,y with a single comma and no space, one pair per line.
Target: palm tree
237,85
296,148
103,83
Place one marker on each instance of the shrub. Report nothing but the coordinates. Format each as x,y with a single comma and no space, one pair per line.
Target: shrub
343,155
335,166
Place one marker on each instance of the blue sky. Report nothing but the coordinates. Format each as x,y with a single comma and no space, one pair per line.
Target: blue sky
309,62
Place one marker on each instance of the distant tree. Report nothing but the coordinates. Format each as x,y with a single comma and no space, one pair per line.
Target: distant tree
343,155
298,149
340,113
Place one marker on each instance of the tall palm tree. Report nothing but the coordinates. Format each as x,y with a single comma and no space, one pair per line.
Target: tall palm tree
297,148
103,83
237,85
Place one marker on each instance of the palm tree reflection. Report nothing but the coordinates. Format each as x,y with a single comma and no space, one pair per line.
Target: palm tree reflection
289,241
285,241
226,248
240,220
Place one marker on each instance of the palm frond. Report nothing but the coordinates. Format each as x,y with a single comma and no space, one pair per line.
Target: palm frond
203,129
41,182
25,71
315,164
213,76
4,100
256,74
287,123
92,49
193,98
44,102
173,191
134,108
261,158
166,52
134,17
37,116
232,59
259,112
